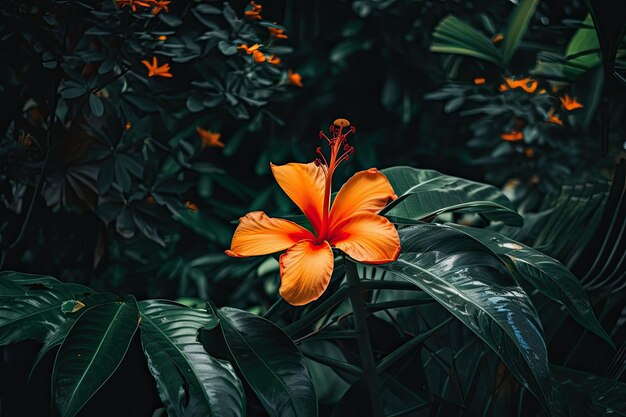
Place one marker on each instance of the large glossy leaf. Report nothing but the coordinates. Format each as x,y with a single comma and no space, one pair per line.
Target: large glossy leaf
453,36
91,352
189,380
32,307
599,396
270,362
516,28
476,287
423,194
544,273
62,331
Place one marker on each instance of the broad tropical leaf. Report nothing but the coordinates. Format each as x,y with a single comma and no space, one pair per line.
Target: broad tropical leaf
61,332
270,362
600,396
31,309
476,287
453,36
423,194
544,273
516,28
189,380
91,352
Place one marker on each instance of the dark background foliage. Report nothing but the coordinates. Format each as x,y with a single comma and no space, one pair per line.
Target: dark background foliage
118,192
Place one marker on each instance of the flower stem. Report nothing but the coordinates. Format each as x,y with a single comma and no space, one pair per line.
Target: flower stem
368,364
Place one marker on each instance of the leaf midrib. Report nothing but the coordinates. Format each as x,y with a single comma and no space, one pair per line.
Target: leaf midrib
189,363
436,277
262,361
119,309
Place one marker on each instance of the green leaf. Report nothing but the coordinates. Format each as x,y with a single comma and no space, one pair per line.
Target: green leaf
205,225
190,381
453,36
516,28
475,286
583,51
97,108
91,352
544,273
425,194
122,177
105,175
59,335
603,396
37,312
270,362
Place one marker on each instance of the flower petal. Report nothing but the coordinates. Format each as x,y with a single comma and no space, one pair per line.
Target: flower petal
258,234
367,191
367,238
304,184
305,271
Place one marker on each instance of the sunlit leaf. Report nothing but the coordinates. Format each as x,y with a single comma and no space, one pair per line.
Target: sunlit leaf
190,381
424,194
475,286
544,273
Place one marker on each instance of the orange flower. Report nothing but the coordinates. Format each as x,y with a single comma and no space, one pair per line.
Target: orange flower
351,224
154,69
570,103
128,125
554,118
277,33
132,3
162,38
209,139
498,37
274,60
258,56
479,80
157,5
249,50
512,136
527,84
191,206
160,5
254,11
295,78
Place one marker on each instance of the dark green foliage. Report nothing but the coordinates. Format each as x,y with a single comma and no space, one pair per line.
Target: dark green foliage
507,298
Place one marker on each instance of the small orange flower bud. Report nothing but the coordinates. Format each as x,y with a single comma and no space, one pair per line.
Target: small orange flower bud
128,125
191,206
277,33
294,78
258,56
479,80
498,37
512,136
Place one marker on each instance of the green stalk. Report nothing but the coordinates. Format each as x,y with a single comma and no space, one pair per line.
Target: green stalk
368,364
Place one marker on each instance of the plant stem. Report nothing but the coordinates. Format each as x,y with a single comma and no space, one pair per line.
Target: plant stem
368,364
